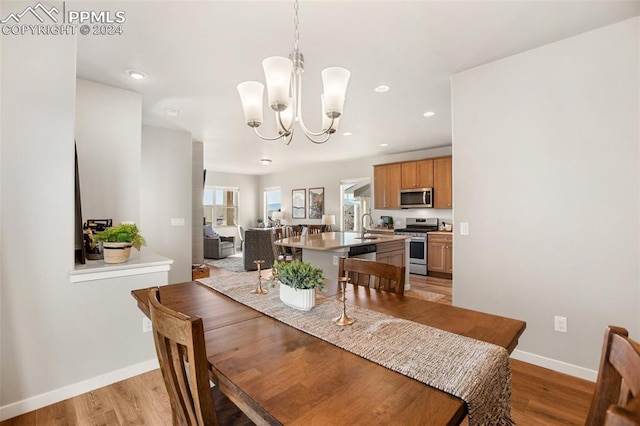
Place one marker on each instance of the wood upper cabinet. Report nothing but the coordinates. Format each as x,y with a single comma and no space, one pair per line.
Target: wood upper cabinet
417,174
440,253
386,184
442,183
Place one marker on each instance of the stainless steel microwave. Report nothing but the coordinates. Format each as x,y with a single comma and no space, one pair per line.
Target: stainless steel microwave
417,198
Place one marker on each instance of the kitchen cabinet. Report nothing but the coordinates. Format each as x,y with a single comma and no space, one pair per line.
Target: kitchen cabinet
386,184
442,183
417,174
440,253
392,252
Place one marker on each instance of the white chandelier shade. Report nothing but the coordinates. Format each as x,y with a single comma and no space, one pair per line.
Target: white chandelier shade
251,93
284,90
284,85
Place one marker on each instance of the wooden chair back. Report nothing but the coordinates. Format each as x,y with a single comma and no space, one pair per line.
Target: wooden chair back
179,338
314,229
618,386
295,230
278,234
378,275
629,415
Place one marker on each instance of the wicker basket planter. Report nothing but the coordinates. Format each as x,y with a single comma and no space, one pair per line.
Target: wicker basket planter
116,252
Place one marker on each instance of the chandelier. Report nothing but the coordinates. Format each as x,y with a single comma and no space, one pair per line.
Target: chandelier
284,88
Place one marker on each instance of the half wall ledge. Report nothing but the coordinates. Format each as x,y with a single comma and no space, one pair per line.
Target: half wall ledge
144,263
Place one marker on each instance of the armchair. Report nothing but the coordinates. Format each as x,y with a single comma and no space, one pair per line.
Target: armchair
258,244
217,246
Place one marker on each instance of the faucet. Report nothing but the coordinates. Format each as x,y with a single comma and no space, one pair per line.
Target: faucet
364,228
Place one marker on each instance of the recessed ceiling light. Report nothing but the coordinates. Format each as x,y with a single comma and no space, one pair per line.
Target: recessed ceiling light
136,74
381,89
347,134
172,112
265,161
384,144
429,114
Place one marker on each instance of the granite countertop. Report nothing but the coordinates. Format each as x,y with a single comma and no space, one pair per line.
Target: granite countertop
336,240
446,233
380,230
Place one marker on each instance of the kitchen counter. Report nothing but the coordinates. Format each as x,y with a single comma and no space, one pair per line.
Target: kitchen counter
324,250
378,230
445,233
336,240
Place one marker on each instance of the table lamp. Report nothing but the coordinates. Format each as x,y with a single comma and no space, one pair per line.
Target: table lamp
278,216
328,220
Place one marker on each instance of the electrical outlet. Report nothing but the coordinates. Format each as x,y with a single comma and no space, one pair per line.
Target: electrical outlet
146,325
335,260
464,228
560,324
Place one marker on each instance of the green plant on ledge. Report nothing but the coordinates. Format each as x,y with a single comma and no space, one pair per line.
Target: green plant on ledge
123,233
297,274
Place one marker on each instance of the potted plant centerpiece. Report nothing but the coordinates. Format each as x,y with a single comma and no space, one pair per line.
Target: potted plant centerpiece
298,281
118,240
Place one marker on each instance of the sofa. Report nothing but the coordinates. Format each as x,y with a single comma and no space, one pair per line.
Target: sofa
217,246
258,245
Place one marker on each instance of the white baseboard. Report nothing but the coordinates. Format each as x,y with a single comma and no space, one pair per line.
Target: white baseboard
555,365
57,395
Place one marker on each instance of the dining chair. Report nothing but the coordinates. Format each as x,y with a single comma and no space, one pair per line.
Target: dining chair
278,234
314,229
294,231
180,346
378,275
629,415
616,397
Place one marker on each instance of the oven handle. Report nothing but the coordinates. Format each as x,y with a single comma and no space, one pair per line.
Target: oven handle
418,239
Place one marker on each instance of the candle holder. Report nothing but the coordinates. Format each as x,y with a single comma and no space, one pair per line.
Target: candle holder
343,319
259,289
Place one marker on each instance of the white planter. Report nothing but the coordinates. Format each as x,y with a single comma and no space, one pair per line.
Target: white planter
116,252
303,300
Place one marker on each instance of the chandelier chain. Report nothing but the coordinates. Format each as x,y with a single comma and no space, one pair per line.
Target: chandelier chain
296,21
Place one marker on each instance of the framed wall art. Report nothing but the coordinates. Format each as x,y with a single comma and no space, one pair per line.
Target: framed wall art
316,203
298,204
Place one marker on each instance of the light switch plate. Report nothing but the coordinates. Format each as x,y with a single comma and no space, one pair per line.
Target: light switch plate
177,221
464,228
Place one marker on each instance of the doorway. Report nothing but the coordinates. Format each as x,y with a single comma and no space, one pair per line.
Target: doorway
356,201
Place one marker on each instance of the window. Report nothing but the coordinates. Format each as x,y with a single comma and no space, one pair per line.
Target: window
272,203
356,200
221,206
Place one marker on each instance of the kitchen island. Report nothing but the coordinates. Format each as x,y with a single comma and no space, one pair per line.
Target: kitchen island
324,250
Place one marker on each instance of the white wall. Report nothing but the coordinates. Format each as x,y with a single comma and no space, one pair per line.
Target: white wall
165,194
329,175
53,333
546,173
108,130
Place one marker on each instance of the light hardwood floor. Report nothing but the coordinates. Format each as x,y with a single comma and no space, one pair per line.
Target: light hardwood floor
540,396
433,285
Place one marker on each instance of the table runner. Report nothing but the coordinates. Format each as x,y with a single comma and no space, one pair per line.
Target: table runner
477,372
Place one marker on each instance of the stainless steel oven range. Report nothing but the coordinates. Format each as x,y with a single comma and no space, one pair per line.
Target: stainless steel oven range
417,228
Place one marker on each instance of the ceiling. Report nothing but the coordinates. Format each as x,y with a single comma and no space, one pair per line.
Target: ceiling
196,52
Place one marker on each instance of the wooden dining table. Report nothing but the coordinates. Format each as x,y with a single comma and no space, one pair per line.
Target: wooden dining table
281,375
